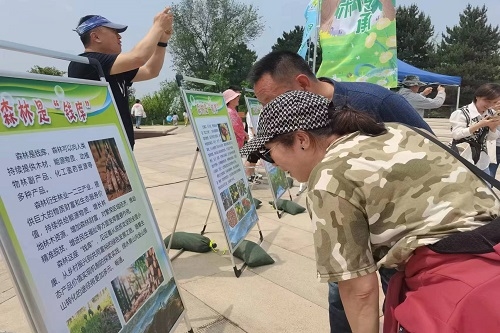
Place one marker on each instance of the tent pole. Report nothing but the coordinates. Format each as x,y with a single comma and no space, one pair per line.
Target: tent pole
458,98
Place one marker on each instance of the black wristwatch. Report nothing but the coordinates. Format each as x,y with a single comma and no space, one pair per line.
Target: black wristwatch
161,44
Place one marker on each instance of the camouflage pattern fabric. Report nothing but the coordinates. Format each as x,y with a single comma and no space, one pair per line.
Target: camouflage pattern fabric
373,200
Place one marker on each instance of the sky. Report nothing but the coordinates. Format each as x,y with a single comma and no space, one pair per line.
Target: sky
49,23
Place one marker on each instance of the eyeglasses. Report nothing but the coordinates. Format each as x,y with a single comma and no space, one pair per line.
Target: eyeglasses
266,154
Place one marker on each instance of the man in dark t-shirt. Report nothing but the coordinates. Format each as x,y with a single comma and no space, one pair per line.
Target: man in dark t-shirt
102,41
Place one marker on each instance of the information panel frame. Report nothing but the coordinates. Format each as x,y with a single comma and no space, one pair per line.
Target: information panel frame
217,134
55,125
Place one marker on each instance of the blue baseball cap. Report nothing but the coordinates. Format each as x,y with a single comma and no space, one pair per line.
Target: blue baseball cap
98,21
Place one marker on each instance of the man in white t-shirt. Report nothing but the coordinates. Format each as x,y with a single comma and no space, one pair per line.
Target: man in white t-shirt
138,113
252,159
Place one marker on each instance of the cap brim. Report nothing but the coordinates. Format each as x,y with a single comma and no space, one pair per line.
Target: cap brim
254,145
118,27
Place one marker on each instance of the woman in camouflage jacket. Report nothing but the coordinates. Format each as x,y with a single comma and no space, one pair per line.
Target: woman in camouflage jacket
383,195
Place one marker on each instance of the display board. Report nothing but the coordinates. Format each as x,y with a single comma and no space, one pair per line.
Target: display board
277,177
76,226
217,144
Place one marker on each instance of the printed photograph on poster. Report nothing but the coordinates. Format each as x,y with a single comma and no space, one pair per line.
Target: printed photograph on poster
137,283
239,210
232,219
224,132
242,189
247,204
160,312
110,167
99,315
227,202
277,179
237,202
235,194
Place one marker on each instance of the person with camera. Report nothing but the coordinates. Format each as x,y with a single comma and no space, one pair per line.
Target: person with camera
101,39
474,124
419,101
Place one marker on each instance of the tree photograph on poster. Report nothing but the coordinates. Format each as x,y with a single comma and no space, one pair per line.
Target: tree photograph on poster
137,283
159,313
99,315
110,167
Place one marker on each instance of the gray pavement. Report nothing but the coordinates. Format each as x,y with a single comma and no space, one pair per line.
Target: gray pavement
282,297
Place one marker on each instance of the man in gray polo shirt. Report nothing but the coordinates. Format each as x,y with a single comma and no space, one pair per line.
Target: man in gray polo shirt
419,101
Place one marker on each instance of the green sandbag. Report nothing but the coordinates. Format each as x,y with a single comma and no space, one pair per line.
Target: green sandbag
257,203
190,242
252,254
288,206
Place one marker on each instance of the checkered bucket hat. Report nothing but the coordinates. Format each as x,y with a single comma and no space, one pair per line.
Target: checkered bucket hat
289,112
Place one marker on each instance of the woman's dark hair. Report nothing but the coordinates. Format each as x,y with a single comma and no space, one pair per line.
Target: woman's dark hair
347,120
488,91
343,121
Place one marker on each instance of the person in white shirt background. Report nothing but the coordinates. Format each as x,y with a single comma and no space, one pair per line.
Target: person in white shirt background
475,124
138,112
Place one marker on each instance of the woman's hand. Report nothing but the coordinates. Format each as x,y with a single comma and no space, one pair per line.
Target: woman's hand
489,121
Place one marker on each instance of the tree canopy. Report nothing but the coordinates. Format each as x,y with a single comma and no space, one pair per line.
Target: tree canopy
471,50
414,32
46,70
291,41
208,36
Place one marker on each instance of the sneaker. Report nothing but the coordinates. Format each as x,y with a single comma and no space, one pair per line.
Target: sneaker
258,175
253,180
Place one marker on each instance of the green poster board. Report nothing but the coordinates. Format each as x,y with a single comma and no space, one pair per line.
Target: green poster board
76,226
219,150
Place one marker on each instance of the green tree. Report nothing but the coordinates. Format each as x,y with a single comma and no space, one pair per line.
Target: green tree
291,41
46,70
470,50
207,33
158,105
414,33
240,62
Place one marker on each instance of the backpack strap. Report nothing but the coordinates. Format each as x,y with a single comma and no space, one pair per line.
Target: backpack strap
478,172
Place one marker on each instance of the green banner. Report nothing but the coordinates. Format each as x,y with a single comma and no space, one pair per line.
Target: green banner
358,41
75,222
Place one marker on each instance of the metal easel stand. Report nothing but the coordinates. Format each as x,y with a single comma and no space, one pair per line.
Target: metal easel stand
191,170
179,80
302,188
238,271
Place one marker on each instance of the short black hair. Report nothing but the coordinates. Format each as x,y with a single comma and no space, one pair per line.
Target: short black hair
280,65
137,101
85,38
